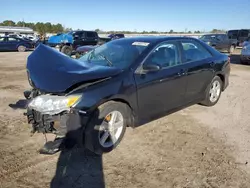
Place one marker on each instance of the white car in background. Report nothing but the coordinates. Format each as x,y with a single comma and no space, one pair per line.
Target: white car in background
245,54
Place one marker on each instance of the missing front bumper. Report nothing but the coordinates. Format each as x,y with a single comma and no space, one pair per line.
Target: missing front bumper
67,124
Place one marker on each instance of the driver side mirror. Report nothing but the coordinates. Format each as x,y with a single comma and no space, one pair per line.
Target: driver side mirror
150,68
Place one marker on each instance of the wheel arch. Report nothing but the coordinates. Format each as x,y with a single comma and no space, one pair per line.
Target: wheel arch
222,77
131,122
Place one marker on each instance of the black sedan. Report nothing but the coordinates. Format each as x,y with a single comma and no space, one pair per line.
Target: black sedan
15,44
122,83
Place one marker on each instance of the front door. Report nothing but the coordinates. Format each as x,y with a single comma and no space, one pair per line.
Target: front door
162,90
2,43
199,63
12,43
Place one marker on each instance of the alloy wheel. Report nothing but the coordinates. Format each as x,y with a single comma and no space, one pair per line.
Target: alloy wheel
111,129
215,90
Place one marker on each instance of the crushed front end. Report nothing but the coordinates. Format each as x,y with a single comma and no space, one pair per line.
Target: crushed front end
48,113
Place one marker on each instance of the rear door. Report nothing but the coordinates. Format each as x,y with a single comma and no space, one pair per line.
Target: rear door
224,42
199,63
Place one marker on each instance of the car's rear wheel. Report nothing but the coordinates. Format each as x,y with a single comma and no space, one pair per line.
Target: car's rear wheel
106,127
213,92
21,48
67,50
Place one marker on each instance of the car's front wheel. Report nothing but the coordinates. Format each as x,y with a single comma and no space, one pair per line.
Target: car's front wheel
66,50
213,92
106,127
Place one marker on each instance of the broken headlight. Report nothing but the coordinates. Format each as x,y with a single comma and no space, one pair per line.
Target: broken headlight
53,104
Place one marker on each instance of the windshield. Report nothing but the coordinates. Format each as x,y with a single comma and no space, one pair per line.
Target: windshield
118,53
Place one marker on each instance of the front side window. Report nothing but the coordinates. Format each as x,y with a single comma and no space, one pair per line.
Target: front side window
165,55
12,39
117,53
2,39
194,51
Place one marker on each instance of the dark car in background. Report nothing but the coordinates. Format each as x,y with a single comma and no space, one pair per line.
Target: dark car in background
245,54
125,82
239,34
220,42
69,42
80,51
15,44
116,36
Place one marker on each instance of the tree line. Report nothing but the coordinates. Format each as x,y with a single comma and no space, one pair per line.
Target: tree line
40,27
43,28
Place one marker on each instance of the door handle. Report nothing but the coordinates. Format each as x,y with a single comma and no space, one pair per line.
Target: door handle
182,72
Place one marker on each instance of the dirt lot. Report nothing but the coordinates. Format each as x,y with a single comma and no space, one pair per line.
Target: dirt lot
196,147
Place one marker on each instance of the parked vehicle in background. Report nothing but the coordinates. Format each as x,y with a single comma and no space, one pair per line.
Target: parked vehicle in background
68,42
112,37
80,51
125,82
116,36
14,43
220,42
239,34
32,38
246,42
245,55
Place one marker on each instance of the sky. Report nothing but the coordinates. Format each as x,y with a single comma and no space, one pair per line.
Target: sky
136,15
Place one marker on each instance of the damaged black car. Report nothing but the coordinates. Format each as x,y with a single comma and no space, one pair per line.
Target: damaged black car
123,83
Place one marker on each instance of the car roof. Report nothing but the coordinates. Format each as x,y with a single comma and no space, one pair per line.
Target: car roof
211,34
84,31
152,39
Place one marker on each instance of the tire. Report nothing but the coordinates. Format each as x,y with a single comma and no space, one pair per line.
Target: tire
21,48
209,100
231,49
67,50
94,135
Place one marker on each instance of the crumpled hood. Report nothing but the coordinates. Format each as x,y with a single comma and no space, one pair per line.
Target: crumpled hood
53,72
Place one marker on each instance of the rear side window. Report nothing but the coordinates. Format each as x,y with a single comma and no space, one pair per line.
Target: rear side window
2,39
91,34
194,51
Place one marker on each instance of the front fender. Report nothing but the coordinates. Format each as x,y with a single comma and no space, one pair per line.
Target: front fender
117,89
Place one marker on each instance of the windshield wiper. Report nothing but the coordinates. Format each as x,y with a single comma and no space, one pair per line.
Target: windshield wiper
103,56
108,61
90,54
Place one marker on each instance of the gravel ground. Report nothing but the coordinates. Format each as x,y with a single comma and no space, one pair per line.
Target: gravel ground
196,147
